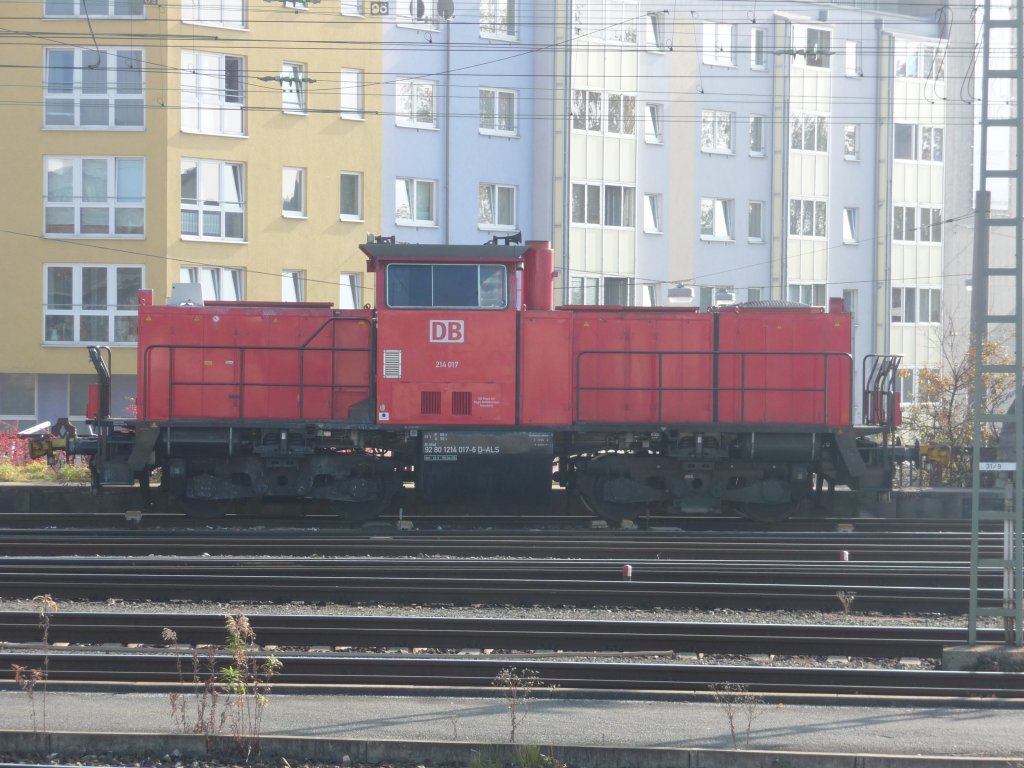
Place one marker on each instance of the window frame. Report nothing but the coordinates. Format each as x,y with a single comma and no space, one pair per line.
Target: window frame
811,56
592,106
711,121
851,223
654,119
13,416
434,281
73,91
495,191
412,221
498,27
715,52
812,291
931,231
197,97
78,203
758,49
758,150
351,94
622,215
190,10
901,227
409,120
653,219
294,280
907,300
592,215
819,128
294,88
205,206
216,278
721,210
111,4
758,236
76,310
851,129
852,64
656,39
358,215
299,182
626,116
495,98
816,217
354,285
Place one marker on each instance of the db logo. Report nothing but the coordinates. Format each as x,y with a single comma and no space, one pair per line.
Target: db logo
448,331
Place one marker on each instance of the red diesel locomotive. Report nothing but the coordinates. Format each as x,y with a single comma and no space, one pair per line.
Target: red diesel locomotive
468,382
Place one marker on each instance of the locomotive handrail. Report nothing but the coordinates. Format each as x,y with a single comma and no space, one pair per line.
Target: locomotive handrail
715,387
240,384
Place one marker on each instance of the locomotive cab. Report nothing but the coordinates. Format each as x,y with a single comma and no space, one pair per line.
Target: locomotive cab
448,360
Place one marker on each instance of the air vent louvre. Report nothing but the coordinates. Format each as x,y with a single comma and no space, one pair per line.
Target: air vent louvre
462,403
430,403
392,363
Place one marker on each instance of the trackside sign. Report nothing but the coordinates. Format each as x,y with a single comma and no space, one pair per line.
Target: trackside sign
447,331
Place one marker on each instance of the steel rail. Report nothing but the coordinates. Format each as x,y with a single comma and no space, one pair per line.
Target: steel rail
456,633
404,674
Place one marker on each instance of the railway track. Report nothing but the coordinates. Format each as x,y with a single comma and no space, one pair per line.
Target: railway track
861,547
883,585
333,673
450,634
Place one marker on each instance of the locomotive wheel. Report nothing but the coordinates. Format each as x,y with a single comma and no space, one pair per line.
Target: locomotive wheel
762,513
591,490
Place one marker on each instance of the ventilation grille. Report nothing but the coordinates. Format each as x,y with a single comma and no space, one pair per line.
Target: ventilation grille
430,403
392,363
462,403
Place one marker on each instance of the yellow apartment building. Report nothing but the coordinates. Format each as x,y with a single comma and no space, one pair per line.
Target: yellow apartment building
228,143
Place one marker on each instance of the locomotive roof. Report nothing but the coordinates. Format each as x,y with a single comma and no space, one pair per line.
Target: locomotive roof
424,252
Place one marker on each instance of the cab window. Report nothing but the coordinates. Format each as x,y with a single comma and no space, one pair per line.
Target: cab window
461,286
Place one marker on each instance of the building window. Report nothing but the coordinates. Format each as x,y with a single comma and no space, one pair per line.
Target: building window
916,305
94,9
17,396
352,94
498,111
212,200
584,290
851,142
212,93
415,104
812,294
755,221
653,124
757,135
716,131
498,18
217,13
807,218
217,284
351,7
920,60
657,32
850,303
715,219
94,88
904,223
809,133
414,202
904,144
850,226
91,303
618,205
293,193
293,285
95,197
351,197
351,285
931,143
617,292
758,53
497,207
621,114
620,21
293,88
931,225
718,44
853,64
652,213
814,46
586,111
753,295
586,203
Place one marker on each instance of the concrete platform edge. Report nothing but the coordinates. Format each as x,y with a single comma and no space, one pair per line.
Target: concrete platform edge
69,744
